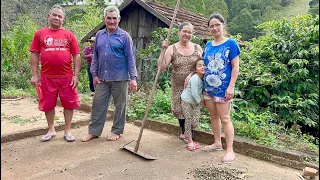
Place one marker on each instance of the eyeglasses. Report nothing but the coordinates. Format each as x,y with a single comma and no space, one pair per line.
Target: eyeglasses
215,25
186,31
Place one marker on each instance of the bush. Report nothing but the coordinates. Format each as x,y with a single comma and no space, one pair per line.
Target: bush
279,71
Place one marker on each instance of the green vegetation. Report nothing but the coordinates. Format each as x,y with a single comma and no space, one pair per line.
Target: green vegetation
20,120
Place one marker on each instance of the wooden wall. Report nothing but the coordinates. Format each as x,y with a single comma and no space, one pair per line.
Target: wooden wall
140,24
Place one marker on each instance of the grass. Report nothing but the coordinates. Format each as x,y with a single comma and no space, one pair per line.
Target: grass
20,120
16,93
297,7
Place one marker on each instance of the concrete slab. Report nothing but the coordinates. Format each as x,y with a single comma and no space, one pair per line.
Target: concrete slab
100,159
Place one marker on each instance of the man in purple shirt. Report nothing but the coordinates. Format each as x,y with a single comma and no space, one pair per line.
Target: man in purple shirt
88,54
113,67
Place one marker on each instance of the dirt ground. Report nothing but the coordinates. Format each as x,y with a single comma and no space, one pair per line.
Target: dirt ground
24,114
100,159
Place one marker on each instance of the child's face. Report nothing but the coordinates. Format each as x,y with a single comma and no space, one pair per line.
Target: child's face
201,67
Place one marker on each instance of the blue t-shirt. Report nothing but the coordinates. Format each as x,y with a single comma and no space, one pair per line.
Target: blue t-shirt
218,66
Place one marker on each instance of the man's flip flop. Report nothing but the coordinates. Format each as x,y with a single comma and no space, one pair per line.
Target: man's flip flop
69,138
211,148
47,137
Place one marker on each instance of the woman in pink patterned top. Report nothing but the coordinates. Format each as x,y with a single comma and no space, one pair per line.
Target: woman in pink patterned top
88,54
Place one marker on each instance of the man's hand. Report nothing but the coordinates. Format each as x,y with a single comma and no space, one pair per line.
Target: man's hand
35,80
229,93
133,86
95,82
74,82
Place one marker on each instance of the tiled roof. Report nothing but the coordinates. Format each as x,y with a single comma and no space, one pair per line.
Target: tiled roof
164,13
197,20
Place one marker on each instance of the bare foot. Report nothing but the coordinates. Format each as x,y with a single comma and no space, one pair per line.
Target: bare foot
88,138
229,158
113,137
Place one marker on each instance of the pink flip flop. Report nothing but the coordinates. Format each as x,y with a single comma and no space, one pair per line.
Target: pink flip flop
194,147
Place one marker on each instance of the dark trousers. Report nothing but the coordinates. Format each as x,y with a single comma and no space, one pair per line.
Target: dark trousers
90,78
182,125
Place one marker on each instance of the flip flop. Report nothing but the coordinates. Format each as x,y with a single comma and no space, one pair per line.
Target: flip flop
69,138
47,137
211,148
194,147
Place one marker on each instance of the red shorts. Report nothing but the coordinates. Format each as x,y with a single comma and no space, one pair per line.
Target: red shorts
49,90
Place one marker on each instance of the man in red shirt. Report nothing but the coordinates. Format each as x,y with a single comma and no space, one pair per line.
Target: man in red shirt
54,47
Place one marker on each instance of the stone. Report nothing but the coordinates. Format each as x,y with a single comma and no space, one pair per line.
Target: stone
309,172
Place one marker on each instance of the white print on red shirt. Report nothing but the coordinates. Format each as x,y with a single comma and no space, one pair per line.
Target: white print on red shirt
49,41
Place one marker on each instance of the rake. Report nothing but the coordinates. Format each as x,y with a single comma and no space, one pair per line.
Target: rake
135,149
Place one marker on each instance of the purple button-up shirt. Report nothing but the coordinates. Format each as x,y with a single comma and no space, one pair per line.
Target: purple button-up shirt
113,57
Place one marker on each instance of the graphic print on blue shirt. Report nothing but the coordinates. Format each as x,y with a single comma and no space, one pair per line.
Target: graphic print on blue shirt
218,66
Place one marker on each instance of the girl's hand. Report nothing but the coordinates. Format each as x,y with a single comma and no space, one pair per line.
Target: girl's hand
202,103
187,79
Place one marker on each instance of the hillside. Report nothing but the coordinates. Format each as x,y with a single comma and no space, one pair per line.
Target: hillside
297,7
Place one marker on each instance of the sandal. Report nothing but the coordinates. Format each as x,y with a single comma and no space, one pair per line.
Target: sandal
69,138
194,147
47,137
212,147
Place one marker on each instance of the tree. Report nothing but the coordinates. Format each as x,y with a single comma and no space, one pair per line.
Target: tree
285,2
269,14
38,10
218,6
243,24
314,7
236,7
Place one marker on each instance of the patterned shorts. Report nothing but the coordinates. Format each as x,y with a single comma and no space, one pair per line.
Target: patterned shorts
216,99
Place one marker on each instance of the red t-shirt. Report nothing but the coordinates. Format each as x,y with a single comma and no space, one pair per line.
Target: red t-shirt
55,48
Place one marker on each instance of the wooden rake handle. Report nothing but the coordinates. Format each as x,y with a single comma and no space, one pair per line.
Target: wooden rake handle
163,50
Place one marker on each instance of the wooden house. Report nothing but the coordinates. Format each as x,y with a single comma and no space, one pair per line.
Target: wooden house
140,18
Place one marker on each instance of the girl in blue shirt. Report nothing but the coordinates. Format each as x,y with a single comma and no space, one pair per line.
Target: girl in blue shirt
221,58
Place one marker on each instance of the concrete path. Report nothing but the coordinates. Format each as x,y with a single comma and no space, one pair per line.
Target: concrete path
99,159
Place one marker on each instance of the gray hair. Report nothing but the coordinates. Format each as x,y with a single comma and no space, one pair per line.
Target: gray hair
111,9
180,27
217,16
57,6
